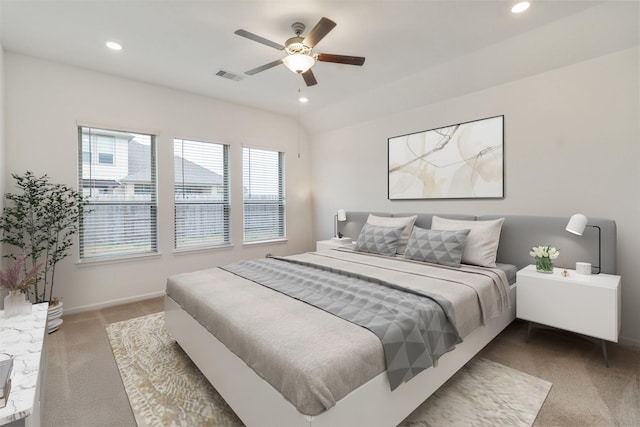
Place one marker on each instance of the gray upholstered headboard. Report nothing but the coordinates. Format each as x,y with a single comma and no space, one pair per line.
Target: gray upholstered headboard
520,233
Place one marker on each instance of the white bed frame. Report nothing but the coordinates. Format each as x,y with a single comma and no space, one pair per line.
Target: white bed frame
257,403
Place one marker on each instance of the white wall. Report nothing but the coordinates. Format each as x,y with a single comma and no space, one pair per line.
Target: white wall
44,100
2,154
572,144
2,130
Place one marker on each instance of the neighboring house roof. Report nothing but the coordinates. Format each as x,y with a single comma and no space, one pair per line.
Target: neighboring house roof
185,171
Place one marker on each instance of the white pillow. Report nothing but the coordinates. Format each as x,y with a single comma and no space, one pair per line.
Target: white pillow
481,246
406,221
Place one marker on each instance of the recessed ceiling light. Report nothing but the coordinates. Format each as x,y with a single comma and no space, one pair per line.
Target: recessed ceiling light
114,45
520,7
303,99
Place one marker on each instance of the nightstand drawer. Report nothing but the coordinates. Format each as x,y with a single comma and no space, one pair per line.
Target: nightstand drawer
588,305
324,245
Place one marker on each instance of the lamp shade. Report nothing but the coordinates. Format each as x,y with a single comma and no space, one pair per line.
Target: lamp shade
577,224
298,63
342,215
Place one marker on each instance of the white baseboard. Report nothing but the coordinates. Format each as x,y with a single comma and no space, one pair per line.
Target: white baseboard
113,302
629,341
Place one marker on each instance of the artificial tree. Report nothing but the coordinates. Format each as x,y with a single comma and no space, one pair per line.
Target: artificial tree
40,220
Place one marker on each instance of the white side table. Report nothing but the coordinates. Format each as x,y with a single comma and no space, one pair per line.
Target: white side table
323,245
588,305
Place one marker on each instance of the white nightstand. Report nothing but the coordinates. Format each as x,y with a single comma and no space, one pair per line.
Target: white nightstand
588,305
323,245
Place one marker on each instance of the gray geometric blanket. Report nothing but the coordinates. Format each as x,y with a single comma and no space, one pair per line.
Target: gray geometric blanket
415,329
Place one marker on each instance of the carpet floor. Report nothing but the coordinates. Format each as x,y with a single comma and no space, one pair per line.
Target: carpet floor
83,385
166,389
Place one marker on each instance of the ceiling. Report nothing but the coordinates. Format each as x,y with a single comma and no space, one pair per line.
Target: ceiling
182,44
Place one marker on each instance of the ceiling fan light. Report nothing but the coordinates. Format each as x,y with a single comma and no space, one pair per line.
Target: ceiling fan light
299,63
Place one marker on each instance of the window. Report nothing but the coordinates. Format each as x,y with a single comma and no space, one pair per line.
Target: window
202,210
86,150
99,148
119,185
264,195
106,149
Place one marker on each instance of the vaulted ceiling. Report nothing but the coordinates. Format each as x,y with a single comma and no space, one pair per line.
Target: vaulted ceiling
416,52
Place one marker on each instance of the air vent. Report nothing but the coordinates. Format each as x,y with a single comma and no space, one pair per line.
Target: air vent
229,75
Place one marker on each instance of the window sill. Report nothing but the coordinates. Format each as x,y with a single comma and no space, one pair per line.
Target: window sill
187,251
266,242
116,260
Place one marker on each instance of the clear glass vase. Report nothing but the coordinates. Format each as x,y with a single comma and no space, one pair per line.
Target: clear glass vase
15,304
544,265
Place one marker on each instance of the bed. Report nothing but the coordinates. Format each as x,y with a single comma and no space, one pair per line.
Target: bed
232,341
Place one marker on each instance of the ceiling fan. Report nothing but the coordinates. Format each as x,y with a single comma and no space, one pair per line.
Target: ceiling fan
299,58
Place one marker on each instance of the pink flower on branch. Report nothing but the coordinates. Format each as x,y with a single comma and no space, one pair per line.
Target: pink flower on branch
10,278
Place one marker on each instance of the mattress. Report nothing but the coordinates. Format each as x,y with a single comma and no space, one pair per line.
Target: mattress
510,270
312,357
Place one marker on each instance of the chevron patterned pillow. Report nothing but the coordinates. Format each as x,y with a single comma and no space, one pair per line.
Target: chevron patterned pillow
406,221
436,246
380,240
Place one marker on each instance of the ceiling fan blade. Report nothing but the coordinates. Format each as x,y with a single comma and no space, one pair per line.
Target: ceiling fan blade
263,67
309,78
340,59
257,38
318,32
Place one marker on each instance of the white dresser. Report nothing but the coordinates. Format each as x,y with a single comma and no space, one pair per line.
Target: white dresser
24,337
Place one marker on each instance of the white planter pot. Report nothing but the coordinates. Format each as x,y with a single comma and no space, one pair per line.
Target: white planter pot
54,320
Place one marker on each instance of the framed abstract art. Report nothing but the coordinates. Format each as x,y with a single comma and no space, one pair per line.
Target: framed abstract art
462,161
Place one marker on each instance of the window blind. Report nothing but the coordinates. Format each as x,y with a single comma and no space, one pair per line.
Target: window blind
202,209
263,179
117,175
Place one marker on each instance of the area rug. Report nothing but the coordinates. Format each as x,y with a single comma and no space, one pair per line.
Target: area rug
166,389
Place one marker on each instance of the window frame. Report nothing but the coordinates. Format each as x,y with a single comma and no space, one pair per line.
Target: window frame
225,202
151,246
280,202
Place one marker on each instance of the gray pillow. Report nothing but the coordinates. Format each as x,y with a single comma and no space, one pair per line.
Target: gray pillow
436,246
380,240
